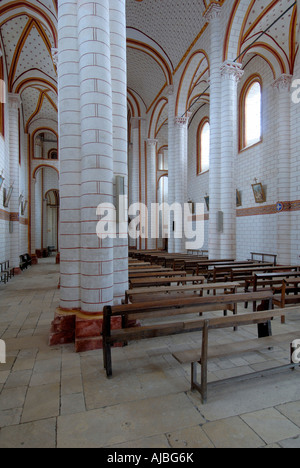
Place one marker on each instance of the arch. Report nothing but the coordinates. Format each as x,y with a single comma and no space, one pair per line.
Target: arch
186,86
41,166
18,8
40,130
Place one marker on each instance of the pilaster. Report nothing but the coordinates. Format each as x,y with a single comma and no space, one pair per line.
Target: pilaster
14,103
282,88
231,73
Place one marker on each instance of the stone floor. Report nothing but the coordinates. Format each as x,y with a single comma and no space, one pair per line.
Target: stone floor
56,398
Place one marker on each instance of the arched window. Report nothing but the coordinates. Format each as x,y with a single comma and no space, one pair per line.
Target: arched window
203,146
250,109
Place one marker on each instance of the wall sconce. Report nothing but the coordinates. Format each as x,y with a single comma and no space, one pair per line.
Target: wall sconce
191,206
2,179
21,198
7,196
23,207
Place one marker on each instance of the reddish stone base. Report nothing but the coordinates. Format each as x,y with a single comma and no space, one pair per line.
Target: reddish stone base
34,259
84,333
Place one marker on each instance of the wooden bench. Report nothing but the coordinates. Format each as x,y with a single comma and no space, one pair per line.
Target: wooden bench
223,272
132,294
263,257
264,280
167,281
6,272
288,292
169,308
25,261
201,356
164,273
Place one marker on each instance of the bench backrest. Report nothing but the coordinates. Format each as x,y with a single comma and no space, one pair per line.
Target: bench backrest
220,300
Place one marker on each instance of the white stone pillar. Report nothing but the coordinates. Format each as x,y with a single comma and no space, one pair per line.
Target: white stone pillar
69,154
171,163
282,87
231,73
180,160
213,16
120,133
97,168
134,169
151,188
14,106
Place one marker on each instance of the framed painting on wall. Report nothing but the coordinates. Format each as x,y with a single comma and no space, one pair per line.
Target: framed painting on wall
259,193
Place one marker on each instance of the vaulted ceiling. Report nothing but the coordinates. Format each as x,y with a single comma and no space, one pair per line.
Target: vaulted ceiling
160,37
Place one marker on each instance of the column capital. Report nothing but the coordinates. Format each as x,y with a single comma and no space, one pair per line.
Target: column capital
212,11
283,83
151,142
170,90
232,70
183,120
54,53
14,100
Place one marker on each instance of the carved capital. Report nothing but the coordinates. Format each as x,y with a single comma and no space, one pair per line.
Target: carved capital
54,53
14,100
232,71
212,11
183,120
152,143
170,90
283,83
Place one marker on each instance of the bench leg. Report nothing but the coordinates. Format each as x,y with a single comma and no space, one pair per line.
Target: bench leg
107,359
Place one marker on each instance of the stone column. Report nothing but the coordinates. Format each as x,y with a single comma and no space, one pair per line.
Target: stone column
97,165
69,154
171,163
120,134
282,87
213,16
180,160
231,73
134,169
151,187
14,106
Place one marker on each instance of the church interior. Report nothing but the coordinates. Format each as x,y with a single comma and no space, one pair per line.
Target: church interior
149,221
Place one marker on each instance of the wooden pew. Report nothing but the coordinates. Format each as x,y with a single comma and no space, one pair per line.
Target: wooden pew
169,308
263,257
201,356
162,291
264,280
145,282
163,273
223,272
289,292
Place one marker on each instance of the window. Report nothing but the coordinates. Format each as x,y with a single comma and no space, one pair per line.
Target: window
203,140
250,108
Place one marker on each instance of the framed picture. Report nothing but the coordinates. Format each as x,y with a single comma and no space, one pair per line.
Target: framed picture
238,198
207,202
7,196
259,193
